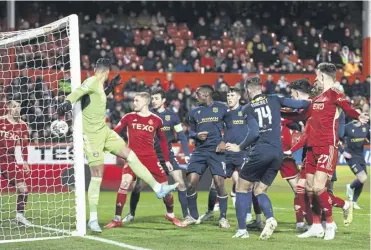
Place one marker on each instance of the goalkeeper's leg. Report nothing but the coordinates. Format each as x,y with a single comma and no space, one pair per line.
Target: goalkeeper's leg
21,203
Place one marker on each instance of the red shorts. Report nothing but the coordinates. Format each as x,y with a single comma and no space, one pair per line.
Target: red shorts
13,173
322,159
154,167
289,169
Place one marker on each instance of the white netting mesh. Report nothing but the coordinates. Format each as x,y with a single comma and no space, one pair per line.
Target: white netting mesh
35,71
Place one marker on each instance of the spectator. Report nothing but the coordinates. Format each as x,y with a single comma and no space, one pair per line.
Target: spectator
129,90
116,114
270,85
257,49
142,87
221,93
170,48
207,60
358,88
163,59
128,36
346,55
149,62
158,22
144,20
156,86
358,57
250,67
157,45
335,58
282,82
219,82
172,93
330,35
225,20
223,68
64,85
345,85
159,67
367,85
346,40
283,28
238,31
188,50
176,59
322,56
201,32
216,30
351,68
235,68
357,39
134,67
183,66
229,60
266,38
251,29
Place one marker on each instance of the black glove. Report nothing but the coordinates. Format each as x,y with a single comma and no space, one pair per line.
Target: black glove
116,80
64,107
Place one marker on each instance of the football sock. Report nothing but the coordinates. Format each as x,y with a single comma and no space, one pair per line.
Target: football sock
21,202
324,200
134,200
169,203
212,199
316,209
93,196
308,214
298,210
255,202
357,186
120,202
182,195
336,201
243,201
265,205
300,207
142,172
234,189
192,205
223,205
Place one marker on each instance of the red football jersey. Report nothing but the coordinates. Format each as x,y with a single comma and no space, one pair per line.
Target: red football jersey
286,137
10,135
141,132
325,111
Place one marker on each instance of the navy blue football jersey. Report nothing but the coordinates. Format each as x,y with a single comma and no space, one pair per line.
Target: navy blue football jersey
354,138
235,126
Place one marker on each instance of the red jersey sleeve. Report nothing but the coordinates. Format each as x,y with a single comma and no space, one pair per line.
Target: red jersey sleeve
344,105
24,142
162,138
122,124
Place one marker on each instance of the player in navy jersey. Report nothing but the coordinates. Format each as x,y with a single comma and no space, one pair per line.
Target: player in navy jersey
355,135
234,131
171,126
264,160
206,125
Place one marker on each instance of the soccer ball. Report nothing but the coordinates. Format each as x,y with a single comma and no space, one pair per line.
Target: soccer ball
59,128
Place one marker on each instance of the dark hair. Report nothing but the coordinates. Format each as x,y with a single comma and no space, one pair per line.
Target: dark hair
253,81
103,64
328,69
234,90
207,87
160,92
302,85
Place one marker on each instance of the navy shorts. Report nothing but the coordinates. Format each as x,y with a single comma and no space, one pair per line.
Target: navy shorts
234,162
262,164
174,162
357,164
200,161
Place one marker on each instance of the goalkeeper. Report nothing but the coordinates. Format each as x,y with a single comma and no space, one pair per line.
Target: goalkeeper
98,138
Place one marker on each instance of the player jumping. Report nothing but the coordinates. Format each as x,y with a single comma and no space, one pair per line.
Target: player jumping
171,125
98,138
322,158
354,138
14,131
207,122
142,126
264,160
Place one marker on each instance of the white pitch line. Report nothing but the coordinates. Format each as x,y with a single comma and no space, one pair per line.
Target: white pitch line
116,243
31,239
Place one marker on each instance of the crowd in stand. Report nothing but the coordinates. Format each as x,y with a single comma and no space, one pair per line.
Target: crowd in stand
238,37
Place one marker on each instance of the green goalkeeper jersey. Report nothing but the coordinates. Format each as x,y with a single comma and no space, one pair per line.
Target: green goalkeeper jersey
93,104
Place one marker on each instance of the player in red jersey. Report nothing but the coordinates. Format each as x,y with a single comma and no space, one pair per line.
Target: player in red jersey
322,158
13,132
142,126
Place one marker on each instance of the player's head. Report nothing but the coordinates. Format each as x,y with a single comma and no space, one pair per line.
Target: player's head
14,110
141,101
158,99
326,75
102,67
233,97
254,86
300,89
204,94
317,89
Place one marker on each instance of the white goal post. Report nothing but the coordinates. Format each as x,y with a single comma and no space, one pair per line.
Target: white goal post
38,68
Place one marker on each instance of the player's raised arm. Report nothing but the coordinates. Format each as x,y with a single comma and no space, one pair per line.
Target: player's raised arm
292,103
349,111
123,123
182,138
192,125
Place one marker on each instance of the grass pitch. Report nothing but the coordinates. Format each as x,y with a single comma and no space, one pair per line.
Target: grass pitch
151,230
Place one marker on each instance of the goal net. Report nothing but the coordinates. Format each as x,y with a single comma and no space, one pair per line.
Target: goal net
38,69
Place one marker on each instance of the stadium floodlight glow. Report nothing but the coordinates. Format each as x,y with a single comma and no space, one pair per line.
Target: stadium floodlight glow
56,203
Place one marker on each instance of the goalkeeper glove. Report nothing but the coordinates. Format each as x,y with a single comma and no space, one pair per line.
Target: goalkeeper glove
116,80
64,107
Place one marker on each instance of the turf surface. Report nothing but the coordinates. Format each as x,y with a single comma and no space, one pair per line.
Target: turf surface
151,230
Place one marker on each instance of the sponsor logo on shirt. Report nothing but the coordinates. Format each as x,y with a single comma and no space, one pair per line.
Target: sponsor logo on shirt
9,135
215,110
150,122
167,117
239,113
139,126
318,106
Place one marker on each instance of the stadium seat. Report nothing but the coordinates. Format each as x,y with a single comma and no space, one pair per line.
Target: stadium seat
147,33
187,35
147,39
203,43
171,26
217,43
131,50
85,58
180,48
175,34
227,44
240,51
179,42
182,26
332,45
137,40
308,62
202,50
239,44
137,33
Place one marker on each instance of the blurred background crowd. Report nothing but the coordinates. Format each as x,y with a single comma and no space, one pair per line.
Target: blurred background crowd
223,37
